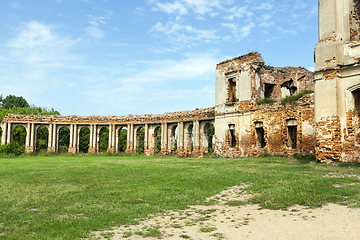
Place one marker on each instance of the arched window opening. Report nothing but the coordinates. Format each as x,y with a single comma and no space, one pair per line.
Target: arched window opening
209,131
292,133
189,138
260,135
157,139
84,140
19,139
64,139
103,139
122,139
140,138
173,139
42,138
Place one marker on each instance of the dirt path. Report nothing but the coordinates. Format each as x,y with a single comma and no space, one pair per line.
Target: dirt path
221,221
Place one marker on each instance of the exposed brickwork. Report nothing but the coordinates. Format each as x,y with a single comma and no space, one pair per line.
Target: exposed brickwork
275,128
289,77
208,113
328,139
355,21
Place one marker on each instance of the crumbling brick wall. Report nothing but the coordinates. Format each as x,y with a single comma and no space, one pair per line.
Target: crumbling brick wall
274,117
290,79
355,21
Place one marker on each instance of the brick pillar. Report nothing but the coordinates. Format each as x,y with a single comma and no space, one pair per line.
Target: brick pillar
180,141
164,139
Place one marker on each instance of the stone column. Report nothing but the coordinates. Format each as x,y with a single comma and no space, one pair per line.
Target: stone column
77,135
196,139
109,149
117,139
113,137
73,134
180,140
164,139
130,139
9,133
97,134
32,147
4,133
91,143
28,133
54,141
50,147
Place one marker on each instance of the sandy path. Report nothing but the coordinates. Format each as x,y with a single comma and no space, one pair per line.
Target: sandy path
221,221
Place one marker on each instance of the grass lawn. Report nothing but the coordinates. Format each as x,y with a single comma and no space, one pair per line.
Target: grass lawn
67,197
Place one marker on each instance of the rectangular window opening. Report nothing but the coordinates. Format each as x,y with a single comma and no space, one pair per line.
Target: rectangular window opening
269,88
292,131
232,90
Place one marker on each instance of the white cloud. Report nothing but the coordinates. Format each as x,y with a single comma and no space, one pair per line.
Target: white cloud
101,19
94,32
311,69
181,7
170,8
265,20
37,42
238,31
265,6
17,5
237,12
183,33
157,82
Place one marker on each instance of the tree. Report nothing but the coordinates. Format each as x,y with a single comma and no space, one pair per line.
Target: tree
210,138
84,143
11,101
18,105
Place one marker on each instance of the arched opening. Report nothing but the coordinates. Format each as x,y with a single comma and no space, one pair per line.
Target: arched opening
84,140
209,131
157,139
42,138
139,140
1,132
189,138
173,139
64,139
19,138
103,139
122,136
356,123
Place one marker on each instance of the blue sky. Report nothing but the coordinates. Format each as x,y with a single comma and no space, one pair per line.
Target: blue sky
119,57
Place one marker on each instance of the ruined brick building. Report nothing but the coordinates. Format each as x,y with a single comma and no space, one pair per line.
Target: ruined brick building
250,116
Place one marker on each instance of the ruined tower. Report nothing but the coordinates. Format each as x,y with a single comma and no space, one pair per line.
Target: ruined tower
337,81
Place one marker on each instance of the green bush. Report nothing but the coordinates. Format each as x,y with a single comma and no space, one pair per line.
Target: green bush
294,98
13,148
265,101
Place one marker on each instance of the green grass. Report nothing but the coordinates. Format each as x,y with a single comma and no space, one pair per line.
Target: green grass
292,99
67,197
265,101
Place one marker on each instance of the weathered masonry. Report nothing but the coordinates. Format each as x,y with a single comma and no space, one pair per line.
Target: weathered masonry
192,131
325,123
244,128
337,81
